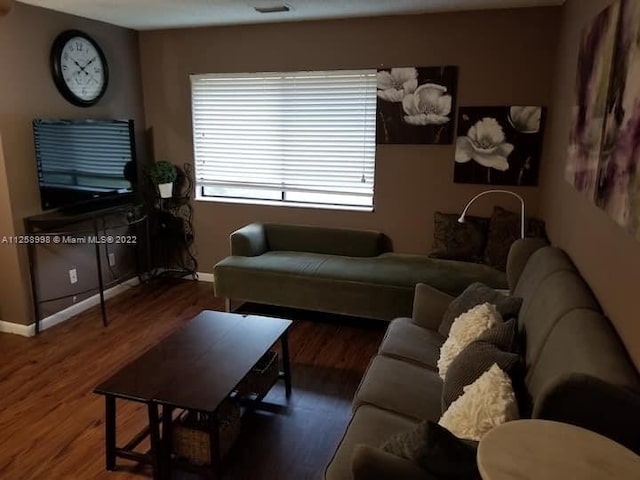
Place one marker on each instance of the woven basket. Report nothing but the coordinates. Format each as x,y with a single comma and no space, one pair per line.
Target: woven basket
261,377
190,436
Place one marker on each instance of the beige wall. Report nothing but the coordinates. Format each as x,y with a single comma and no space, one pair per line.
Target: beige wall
9,289
28,92
505,57
607,256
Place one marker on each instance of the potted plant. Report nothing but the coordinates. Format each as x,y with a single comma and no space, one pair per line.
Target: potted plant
163,174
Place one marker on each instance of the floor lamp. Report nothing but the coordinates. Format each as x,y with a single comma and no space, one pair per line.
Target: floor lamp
522,217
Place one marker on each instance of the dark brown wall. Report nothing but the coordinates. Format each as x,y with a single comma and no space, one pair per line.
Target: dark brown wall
505,57
607,256
28,92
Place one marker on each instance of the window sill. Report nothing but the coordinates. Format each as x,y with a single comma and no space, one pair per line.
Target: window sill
272,203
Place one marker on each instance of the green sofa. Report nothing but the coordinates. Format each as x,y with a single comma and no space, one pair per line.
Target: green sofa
342,271
577,369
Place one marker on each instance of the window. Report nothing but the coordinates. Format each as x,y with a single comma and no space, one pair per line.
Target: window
292,138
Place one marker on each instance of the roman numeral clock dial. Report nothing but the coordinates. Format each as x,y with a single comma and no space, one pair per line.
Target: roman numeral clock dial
79,68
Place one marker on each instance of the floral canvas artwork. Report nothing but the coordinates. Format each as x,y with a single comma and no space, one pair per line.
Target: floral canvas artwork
618,185
499,145
416,105
595,63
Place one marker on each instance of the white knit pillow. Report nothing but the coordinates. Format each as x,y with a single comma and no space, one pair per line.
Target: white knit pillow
465,329
485,404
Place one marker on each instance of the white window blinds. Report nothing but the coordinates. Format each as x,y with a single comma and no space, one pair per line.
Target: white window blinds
304,137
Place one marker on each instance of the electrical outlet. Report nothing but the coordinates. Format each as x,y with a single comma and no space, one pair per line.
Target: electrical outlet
75,299
112,259
73,276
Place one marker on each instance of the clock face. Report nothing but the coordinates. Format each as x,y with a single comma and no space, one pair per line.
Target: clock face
79,68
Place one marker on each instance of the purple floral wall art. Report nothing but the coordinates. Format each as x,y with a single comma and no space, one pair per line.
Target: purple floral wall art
618,185
416,105
499,145
595,63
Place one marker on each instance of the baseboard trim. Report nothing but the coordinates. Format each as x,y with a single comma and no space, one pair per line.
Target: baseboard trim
205,277
16,328
67,313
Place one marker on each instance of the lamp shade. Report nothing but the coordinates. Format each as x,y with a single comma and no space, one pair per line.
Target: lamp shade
6,6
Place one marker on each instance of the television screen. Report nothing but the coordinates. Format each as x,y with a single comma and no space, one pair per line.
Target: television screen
82,161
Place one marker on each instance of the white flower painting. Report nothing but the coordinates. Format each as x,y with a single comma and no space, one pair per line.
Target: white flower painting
416,105
429,105
486,144
393,85
499,145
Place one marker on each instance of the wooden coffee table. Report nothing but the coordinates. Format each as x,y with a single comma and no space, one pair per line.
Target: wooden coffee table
196,368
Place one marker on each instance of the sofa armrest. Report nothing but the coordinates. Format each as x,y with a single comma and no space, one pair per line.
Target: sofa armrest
429,305
370,463
594,404
249,241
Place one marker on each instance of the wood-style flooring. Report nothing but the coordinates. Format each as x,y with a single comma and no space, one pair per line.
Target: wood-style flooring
51,424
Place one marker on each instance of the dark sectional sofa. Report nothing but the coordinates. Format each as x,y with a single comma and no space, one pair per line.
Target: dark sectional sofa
349,272
577,369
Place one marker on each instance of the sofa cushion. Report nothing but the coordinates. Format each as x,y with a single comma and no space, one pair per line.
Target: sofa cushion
436,450
472,362
519,255
449,276
407,341
473,295
402,387
542,263
485,404
559,293
332,241
504,229
349,286
375,287
582,342
459,241
370,426
371,463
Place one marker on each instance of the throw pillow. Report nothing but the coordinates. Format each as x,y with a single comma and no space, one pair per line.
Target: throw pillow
435,450
504,229
459,241
473,295
503,336
485,404
472,362
465,329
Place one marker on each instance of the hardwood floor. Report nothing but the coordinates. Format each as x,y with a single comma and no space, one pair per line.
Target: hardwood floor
51,424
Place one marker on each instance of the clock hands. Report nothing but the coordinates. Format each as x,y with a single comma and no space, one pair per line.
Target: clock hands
90,62
84,69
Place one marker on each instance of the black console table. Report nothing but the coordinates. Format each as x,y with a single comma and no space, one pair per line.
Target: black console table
69,228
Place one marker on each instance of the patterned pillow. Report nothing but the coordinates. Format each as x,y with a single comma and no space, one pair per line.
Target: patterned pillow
472,362
435,450
459,241
485,404
504,229
473,295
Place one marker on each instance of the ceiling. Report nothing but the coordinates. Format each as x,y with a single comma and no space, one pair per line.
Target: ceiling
155,14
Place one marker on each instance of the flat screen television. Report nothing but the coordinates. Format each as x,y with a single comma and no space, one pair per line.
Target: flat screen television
85,164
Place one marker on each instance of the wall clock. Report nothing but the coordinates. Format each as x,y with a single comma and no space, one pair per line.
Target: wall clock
79,68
